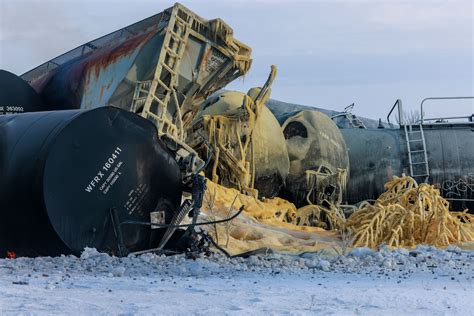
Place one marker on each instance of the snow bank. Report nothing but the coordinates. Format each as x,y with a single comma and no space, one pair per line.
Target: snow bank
91,262
424,280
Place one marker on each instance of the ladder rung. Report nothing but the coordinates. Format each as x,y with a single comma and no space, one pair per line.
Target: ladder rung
159,100
162,84
140,101
181,23
416,140
416,151
174,53
419,163
171,52
153,115
168,68
177,37
181,20
414,132
420,175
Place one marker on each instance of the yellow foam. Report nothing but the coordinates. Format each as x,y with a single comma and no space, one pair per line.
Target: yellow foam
408,214
268,223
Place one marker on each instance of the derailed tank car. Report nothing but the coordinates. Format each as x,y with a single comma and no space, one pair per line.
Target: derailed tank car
66,176
439,151
318,158
17,96
249,150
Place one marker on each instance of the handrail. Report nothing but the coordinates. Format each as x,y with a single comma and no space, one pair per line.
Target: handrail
400,116
338,115
469,117
439,98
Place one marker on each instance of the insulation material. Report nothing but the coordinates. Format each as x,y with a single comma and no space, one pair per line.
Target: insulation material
269,223
408,214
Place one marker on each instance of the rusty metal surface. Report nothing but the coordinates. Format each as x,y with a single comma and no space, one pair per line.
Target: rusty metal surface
102,73
106,71
90,80
44,70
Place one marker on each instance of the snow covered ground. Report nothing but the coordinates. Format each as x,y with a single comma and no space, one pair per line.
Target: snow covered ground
424,281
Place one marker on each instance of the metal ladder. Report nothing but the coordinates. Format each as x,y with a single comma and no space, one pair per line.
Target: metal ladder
418,167
153,97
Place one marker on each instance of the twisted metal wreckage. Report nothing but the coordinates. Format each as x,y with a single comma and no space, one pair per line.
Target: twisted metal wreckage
103,177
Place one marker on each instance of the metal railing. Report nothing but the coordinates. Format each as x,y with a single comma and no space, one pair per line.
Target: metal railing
398,104
422,119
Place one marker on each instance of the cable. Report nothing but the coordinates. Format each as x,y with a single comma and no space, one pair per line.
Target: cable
184,225
220,248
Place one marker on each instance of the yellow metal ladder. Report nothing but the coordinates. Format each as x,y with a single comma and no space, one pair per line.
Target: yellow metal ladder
154,96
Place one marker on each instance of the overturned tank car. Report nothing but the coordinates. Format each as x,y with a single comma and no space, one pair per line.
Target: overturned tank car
17,96
69,178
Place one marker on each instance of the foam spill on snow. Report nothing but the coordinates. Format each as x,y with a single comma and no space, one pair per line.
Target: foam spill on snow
262,224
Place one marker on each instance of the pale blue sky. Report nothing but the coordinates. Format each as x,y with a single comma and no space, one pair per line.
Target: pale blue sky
328,53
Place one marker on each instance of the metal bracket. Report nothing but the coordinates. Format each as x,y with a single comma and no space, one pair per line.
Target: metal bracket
157,218
122,249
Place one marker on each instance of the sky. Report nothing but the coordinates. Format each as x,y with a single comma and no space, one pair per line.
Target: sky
328,53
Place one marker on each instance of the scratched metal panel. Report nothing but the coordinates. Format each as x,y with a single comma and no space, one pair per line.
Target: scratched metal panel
90,81
101,85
